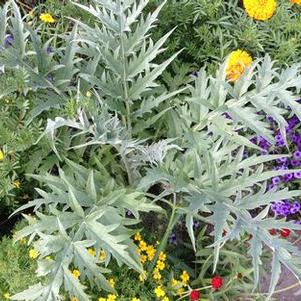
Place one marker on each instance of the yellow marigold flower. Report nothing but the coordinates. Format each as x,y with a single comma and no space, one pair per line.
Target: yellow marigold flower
260,9
143,259
6,296
102,255
135,299
296,2
160,265
92,252
16,184
102,299
47,18
142,245
156,274
159,291
1,155
33,253
180,291
162,256
174,282
151,252
112,282
238,62
73,299
76,273
185,278
111,297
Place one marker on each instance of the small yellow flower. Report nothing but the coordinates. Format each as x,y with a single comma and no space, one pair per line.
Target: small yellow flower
160,265
6,296
296,2
112,282
180,291
162,256
185,278
137,237
165,298
102,255
143,259
48,258
73,299
135,299
16,184
92,252
143,276
33,253
111,297
174,282
102,299
156,274
47,18
142,245
23,241
76,273
151,252
159,292
88,94
1,155
238,61
260,9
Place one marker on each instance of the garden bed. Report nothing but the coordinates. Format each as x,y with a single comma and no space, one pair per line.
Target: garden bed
150,150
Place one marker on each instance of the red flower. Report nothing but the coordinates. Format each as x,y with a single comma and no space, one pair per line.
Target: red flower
194,295
273,231
217,282
285,232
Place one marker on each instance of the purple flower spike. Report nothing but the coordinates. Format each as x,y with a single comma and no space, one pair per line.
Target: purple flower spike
49,50
281,160
9,38
288,177
272,187
295,208
270,119
276,180
295,163
297,155
173,239
297,175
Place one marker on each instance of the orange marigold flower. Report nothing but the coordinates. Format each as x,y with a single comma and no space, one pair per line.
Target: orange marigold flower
296,2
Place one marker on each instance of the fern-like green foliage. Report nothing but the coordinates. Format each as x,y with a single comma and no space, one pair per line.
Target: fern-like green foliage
86,209
210,30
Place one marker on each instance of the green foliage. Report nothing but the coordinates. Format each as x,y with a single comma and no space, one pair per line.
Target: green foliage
18,272
210,30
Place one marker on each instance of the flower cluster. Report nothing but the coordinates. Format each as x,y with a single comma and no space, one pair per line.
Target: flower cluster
285,207
260,9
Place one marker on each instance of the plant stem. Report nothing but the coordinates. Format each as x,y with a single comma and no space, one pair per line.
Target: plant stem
172,221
